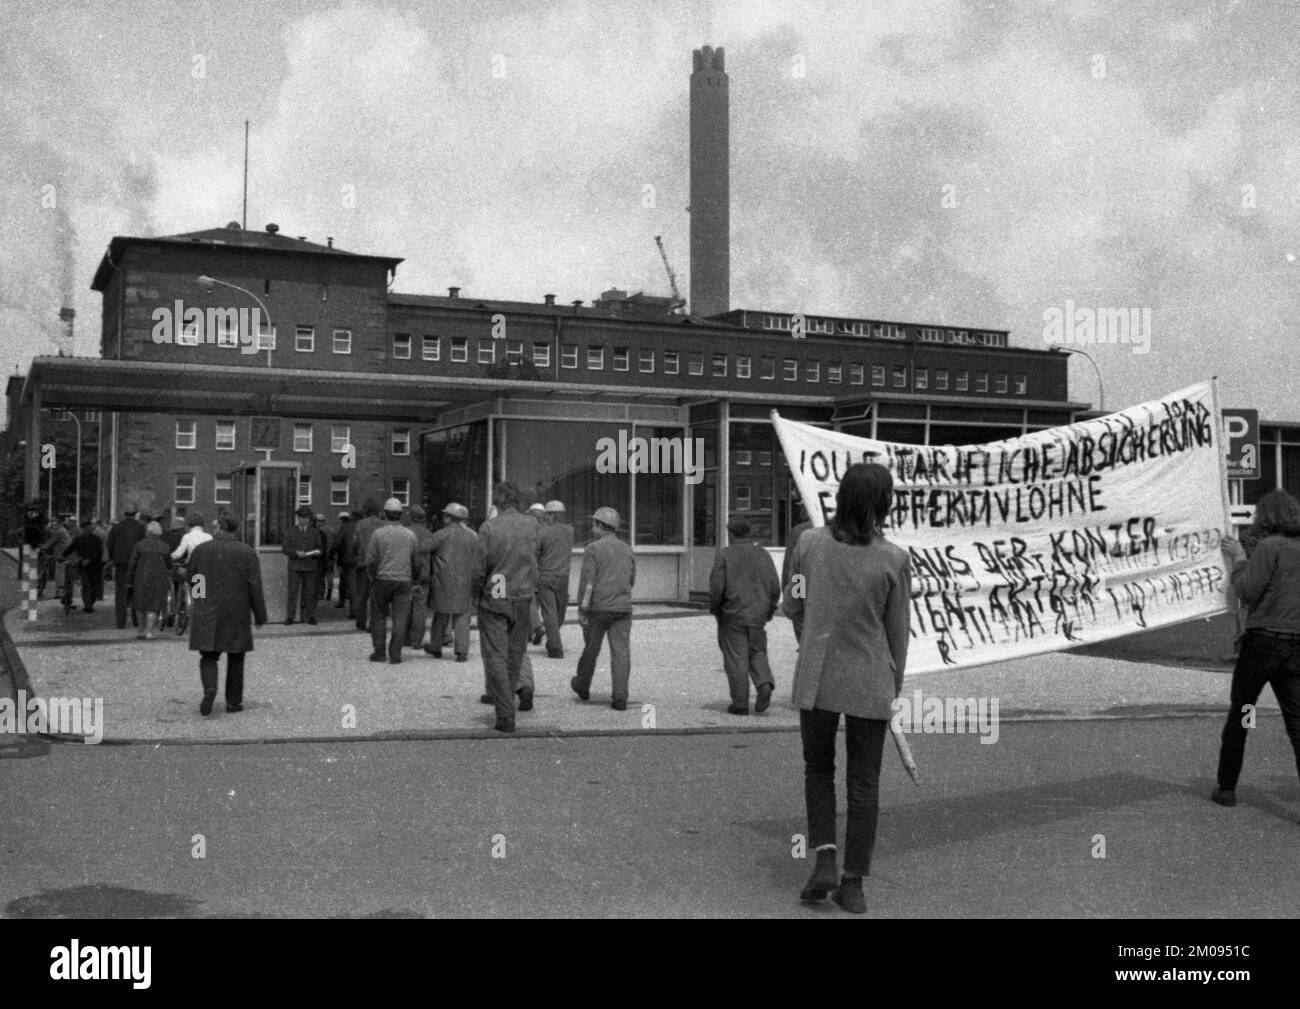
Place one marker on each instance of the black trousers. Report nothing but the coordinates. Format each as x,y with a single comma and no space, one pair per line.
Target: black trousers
744,657
386,595
554,601
302,583
234,674
345,585
119,596
1263,659
92,584
361,597
864,739
503,638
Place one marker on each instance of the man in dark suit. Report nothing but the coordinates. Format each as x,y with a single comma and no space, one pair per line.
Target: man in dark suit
225,590
302,546
122,539
744,593
362,530
341,555
89,550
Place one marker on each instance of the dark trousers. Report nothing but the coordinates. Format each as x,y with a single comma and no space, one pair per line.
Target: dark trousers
384,596
345,585
744,657
92,584
864,741
554,601
619,628
234,674
460,631
302,583
503,639
324,582
119,595
1263,659
361,597
419,616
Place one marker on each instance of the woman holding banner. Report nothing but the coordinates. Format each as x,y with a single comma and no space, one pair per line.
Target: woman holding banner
852,590
1269,584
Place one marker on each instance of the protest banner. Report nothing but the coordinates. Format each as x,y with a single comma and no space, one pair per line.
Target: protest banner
1049,540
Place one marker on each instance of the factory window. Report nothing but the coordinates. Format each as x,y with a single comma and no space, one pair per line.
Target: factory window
343,341
878,376
742,499
340,438
459,349
929,335
189,334
856,328
672,362
266,338
340,493
1021,385
900,376
487,352
776,322
767,368
743,457
821,326
569,355
921,376
183,490
302,437
834,372
889,331
515,352
1000,382
941,379
645,362
402,441
187,434
542,354
812,371
222,492
595,358
622,359
961,382
304,339
981,381
695,363
719,365
401,346
857,374
790,370
961,336
225,436
743,366
431,348
304,490
227,329
402,490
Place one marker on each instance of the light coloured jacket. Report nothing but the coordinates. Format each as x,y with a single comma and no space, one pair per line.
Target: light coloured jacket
856,609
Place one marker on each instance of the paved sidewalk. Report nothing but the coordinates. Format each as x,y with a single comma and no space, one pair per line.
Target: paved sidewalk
317,683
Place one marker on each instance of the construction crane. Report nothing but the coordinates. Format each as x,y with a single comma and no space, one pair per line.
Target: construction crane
678,300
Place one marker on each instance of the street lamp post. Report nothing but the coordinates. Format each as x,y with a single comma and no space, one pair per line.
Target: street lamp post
208,283
1101,386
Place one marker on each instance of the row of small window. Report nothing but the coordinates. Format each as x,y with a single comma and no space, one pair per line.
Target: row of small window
185,489
187,437
887,331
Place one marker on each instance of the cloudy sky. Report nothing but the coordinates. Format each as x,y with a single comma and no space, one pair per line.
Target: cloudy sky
972,163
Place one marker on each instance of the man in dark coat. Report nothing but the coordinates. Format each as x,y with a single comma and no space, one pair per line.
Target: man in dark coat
225,590
453,554
325,576
744,593
122,539
302,546
421,599
362,530
342,554
89,549
554,553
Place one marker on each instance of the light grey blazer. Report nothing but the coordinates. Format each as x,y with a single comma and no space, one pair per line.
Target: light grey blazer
856,608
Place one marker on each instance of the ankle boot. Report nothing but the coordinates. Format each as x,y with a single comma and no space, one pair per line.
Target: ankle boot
825,876
849,895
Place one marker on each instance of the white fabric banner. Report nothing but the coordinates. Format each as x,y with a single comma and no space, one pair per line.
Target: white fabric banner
1049,540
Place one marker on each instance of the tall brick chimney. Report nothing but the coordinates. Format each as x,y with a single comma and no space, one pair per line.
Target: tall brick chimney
710,185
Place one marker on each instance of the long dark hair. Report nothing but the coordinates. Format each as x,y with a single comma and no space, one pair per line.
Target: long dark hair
862,503
1276,513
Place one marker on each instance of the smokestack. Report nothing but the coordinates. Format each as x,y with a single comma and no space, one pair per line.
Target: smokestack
548,299
453,292
710,185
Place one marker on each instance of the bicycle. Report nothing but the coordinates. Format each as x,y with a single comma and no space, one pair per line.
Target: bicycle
178,611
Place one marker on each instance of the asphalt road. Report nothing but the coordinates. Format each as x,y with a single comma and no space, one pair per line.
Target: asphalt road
671,825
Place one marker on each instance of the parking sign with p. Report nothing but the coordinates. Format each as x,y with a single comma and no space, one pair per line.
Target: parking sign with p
1241,433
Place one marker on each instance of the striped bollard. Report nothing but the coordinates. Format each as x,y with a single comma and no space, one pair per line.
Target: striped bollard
29,585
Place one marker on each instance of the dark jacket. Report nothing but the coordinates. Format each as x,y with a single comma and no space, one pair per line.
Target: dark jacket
89,549
392,554
507,561
122,539
743,586
231,581
554,554
608,574
857,618
148,575
296,539
454,554
1269,583
365,528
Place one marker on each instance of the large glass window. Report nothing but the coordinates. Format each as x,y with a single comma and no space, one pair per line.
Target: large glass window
760,482
705,497
455,469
